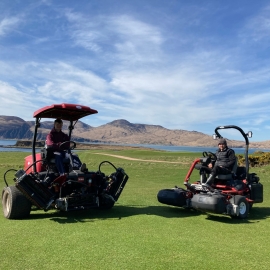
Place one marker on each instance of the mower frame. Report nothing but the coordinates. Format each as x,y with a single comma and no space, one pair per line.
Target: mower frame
39,183
233,194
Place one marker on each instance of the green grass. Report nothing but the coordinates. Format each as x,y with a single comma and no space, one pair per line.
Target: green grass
139,232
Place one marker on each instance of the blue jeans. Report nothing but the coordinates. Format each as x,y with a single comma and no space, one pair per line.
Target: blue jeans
59,162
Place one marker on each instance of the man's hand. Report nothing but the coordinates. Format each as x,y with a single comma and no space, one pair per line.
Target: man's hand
210,165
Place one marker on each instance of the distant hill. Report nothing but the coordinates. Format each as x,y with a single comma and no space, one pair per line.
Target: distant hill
12,127
122,131
118,131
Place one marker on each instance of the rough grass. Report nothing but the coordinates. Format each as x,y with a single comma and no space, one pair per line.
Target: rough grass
139,232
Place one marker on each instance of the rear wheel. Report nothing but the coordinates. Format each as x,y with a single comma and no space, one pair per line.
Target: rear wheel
243,205
106,202
15,204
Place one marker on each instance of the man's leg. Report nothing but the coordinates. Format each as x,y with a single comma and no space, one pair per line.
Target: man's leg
59,157
215,171
210,181
223,170
203,175
211,178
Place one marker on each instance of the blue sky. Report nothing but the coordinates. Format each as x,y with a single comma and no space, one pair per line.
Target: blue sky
191,65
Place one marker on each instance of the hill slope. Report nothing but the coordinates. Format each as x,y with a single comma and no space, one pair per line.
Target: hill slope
118,131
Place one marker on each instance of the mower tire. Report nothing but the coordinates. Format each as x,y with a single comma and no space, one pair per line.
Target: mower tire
243,205
174,196
106,203
15,204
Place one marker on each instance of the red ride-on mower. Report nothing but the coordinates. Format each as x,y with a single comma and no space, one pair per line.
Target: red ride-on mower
39,184
232,194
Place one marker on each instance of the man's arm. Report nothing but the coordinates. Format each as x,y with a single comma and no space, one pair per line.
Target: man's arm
50,142
64,138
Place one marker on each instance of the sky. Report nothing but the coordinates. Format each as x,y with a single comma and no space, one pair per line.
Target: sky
191,65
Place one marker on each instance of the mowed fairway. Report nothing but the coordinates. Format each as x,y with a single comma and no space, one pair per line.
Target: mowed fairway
139,232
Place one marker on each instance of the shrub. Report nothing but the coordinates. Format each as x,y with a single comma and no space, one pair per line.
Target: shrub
257,159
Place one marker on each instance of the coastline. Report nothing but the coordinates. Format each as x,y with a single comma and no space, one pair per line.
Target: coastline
23,144
26,145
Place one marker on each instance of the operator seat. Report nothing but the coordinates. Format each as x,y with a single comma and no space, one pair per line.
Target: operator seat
48,158
230,175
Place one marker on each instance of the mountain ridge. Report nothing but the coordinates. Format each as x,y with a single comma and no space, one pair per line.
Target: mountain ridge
118,131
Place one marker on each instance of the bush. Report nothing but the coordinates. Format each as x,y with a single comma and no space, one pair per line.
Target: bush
257,159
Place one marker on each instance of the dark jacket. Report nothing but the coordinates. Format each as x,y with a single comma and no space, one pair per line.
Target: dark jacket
54,139
225,158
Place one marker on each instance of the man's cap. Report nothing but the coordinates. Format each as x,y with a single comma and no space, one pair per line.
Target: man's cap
222,141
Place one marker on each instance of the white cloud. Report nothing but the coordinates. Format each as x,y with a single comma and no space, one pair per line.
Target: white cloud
7,24
258,27
181,72
15,102
127,38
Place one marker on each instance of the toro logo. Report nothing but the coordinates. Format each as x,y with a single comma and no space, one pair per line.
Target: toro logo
80,179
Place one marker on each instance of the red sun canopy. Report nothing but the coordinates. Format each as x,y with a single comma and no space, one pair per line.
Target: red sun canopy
64,111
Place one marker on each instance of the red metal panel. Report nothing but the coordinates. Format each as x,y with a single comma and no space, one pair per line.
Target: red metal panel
64,111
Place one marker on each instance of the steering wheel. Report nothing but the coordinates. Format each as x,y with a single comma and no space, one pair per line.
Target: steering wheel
73,146
210,155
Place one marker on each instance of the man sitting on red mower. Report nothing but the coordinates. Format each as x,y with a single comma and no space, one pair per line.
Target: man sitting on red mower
223,165
54,140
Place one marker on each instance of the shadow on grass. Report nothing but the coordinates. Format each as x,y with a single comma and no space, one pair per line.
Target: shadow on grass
117,212
255,215
123,211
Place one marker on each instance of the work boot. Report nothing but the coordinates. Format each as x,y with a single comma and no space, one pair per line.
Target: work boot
209,182
203,178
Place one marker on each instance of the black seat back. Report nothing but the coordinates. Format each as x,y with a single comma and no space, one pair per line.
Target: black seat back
230,175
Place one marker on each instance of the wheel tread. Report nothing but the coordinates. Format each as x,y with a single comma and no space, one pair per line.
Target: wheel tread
20,206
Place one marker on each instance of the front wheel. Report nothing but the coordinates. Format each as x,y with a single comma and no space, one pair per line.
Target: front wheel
243,206
15,204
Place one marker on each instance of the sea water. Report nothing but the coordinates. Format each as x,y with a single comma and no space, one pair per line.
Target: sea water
169,148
